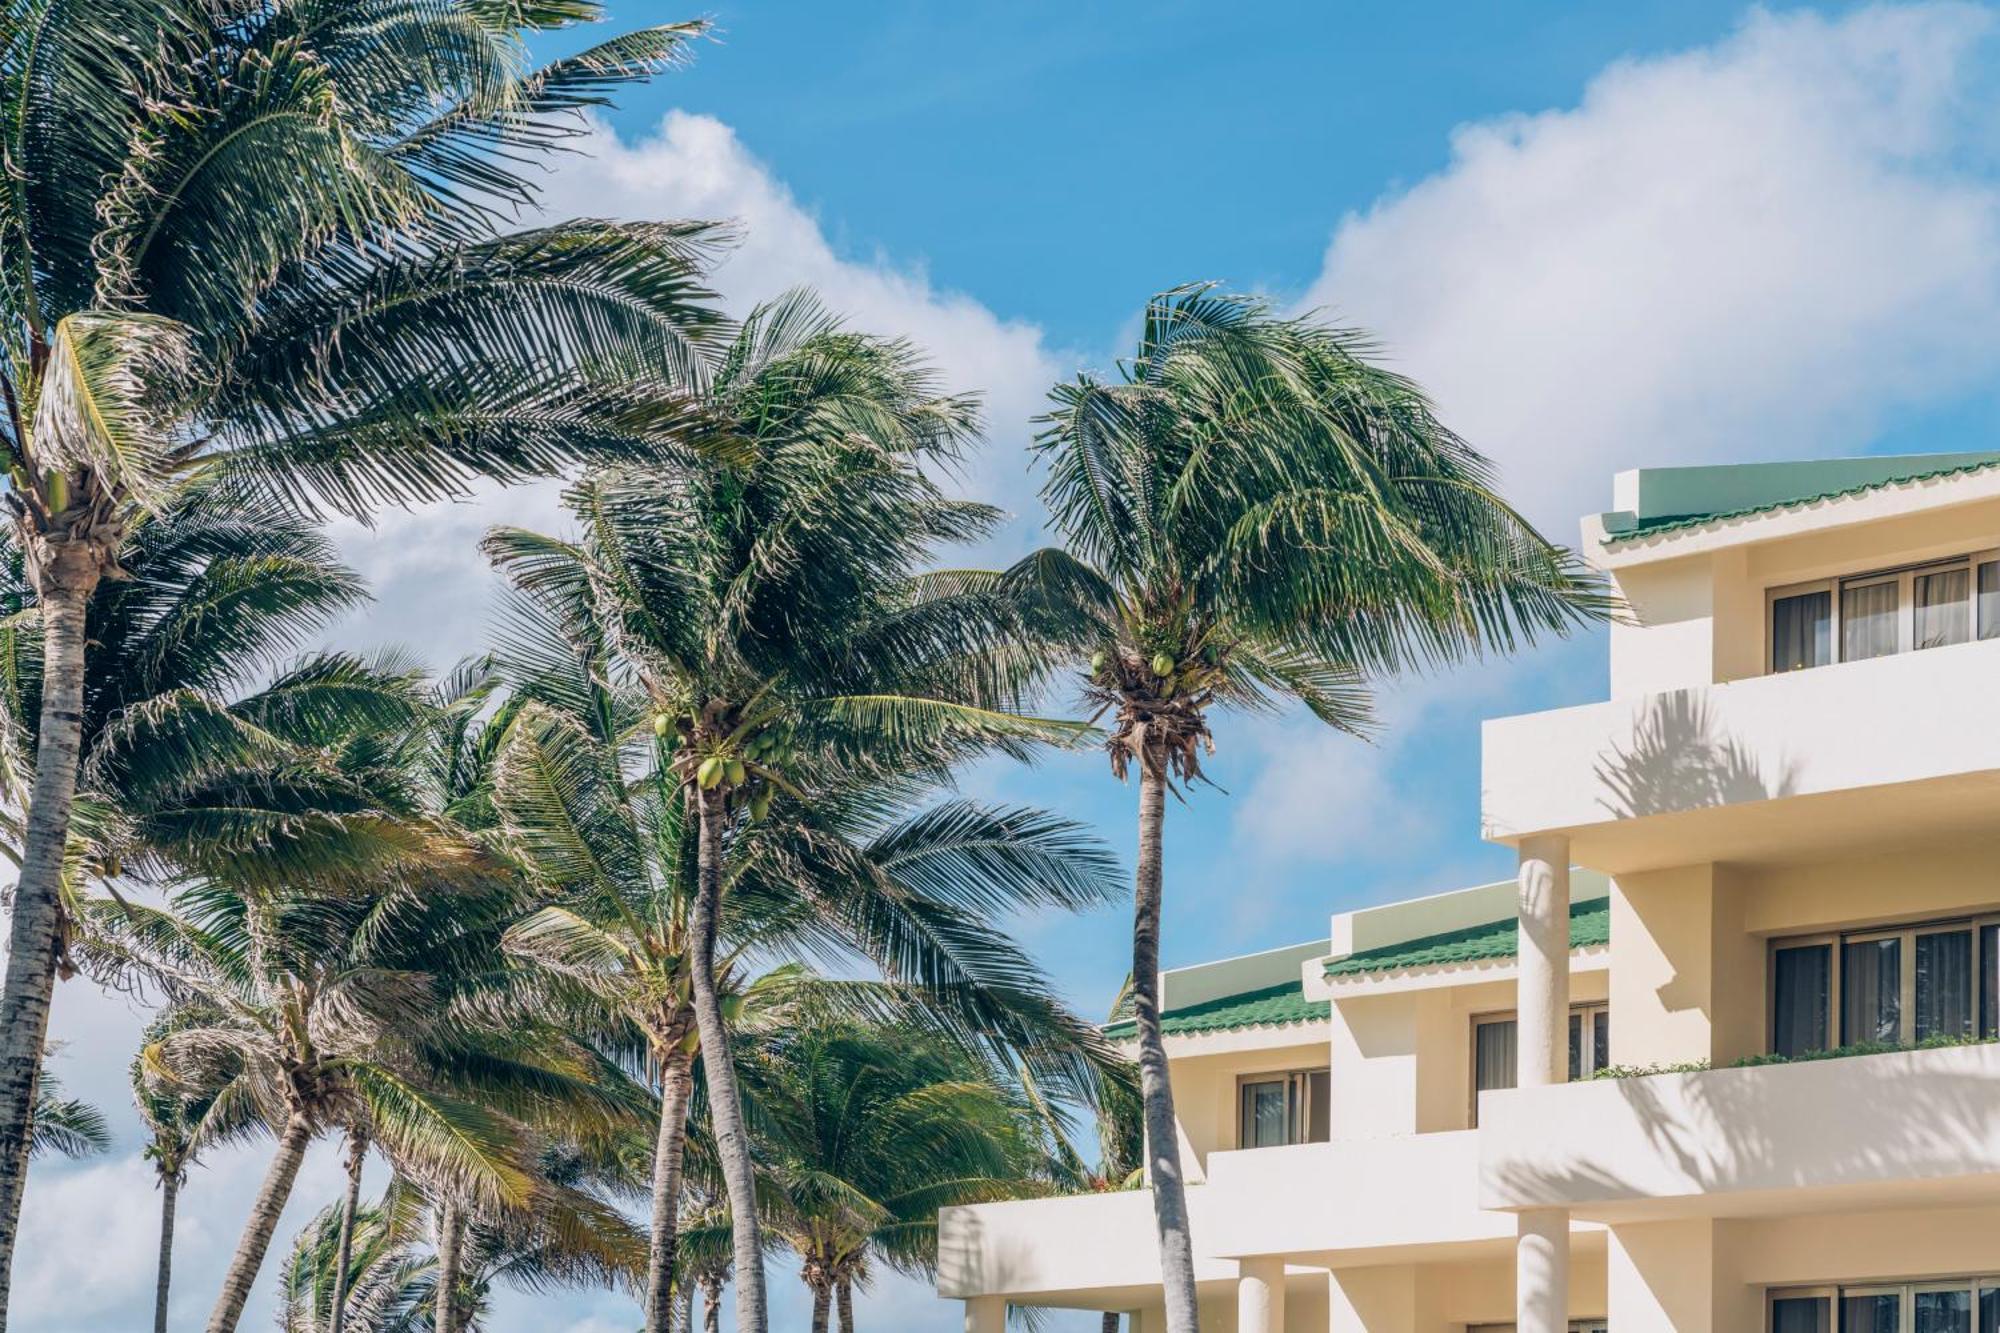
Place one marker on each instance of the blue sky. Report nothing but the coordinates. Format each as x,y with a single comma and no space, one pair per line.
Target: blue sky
1605,236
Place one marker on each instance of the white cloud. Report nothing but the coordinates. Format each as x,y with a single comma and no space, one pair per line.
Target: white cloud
431,584
1757,249
1750,250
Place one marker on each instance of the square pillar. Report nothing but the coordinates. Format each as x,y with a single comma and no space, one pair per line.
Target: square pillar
1679,1277
1260,1296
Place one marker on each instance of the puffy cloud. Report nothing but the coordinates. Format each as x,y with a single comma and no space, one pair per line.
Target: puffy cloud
1750,250
433,589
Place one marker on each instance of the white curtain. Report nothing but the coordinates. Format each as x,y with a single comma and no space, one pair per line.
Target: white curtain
1867,620
1943,608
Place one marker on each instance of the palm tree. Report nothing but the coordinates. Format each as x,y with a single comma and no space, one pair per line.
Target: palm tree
599,825
67,1126
1257,515
267,238
182,1123
765,596
869,1131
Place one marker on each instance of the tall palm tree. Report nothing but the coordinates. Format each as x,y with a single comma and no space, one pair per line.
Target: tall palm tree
766,596
573,1237
182,1122
67,1126
869,1131
267,237
1259,515
598,823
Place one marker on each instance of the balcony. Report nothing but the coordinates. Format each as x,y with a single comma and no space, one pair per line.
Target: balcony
1900,747
1317,1204
1911,1127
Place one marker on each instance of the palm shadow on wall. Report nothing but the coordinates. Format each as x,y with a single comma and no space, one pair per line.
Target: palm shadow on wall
1679,760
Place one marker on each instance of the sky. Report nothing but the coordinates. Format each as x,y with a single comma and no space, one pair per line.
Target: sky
1602,236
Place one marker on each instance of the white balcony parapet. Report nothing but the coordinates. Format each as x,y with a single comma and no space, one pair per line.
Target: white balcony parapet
1870,1130
1636,781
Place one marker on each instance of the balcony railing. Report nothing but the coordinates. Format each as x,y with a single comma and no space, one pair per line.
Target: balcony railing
1905,745
1871,1130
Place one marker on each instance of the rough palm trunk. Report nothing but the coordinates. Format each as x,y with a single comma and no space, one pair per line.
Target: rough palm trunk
343,1250
725,1104
1163,1154
843,1296
65,577
450,1246
170,1194
822,1305
263,1223
1110,1324
676,1084
711,1305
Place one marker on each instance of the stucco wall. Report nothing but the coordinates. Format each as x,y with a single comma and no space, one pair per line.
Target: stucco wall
1205,1090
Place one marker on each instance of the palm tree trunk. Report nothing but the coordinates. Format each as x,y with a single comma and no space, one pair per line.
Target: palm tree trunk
170,1194
1163,1152
711,1305
257,1232
843,1295
676,1084
686,1324
1110,1324
725,1103
66,575
343,1250
822,1305
450,1246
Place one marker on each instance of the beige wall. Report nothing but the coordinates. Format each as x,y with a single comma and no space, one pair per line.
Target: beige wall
1698,607
1446,1296
1205,1091
1402,1061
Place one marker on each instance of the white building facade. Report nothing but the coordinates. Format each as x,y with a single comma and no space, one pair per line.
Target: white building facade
1723,1055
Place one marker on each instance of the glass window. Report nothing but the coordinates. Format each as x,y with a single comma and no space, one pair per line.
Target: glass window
1989,1309
1868,619
1871,991
1989,599
1589,1040
1943,1311
1801,1314
1871,1312
1944,984
1801,631
1263,1115
1319,1106
1943,608
1989,983
1801,982
1274,1110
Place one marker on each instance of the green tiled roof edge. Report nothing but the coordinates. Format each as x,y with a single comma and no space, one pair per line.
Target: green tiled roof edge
1589,924
1678,522
1271,1006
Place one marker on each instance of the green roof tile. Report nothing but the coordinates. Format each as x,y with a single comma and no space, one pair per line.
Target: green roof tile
1589,924
1273,1006
1654,526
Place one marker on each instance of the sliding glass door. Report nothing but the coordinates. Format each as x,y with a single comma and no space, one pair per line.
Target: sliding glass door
1958,1305
1897,986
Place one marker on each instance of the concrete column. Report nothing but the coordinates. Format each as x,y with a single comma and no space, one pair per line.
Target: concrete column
1541,1246
986,1314
1260,1296
1542,992
1541,1270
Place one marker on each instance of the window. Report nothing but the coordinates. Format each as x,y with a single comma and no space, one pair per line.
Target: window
1496,1050
1890,611
1575,1326
1957,1305
1278,1109
1894,987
